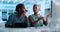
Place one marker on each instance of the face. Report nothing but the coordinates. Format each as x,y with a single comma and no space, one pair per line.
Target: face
35,9
22,10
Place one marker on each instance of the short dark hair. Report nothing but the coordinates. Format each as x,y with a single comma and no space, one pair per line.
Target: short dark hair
35,5
19,6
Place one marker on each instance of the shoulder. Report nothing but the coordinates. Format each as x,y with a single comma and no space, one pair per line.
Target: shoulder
31,15
12,15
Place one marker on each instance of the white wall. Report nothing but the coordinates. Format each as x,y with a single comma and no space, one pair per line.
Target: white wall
56,13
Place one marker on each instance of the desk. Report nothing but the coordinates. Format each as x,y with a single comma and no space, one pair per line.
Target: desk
28,29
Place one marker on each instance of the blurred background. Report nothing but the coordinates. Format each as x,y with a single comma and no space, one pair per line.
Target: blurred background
7,7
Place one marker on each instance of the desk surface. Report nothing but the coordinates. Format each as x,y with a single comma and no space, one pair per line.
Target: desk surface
29,29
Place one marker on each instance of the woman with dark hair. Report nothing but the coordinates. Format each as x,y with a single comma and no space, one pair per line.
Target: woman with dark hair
18,19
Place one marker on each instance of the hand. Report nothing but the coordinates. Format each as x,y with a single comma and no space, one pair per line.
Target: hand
48,15
46,23
40,18
25,14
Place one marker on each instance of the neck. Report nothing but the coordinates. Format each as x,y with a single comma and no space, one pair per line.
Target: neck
35,14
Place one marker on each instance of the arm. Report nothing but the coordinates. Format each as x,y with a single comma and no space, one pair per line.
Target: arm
27,21
32,21
45,22
9,21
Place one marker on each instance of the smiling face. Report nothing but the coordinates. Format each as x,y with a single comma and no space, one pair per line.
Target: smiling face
35,8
